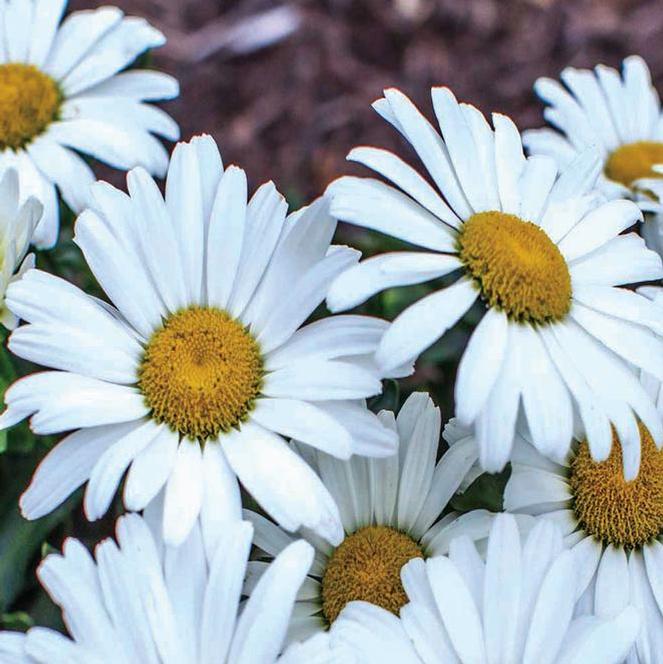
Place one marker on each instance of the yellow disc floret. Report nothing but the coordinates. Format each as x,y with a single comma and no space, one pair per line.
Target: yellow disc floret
611,509
29,101
367,566
516,266
633,161
201,372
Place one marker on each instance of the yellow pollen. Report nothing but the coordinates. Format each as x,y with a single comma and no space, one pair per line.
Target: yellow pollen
367,566
611,509
29,101
633,161
516,266
201,373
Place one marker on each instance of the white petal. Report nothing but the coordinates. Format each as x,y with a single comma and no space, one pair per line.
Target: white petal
622,260
459,613
502,589
221,497
78,32
406,178
281,482
223,592
424,322
319,380
184,493
305,422
612,598
378,206
376,274
510,162
262,626
64,168
226,236
63,401
302,299
66,467
403,114
598,227
480,365
107,472
150,469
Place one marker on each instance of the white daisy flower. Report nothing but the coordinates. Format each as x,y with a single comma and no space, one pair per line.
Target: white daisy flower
142,603
620,117
540,250
517,606
17,225
192,376
390,511
61,94
615,528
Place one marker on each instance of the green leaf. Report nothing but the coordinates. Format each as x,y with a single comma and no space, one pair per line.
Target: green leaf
486,492
18,621
21,540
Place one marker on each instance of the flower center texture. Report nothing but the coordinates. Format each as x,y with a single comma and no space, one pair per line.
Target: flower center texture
201,372
367,566
29,101
516,266
633,161
611,509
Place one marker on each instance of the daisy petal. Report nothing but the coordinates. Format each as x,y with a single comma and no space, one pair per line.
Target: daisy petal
423,323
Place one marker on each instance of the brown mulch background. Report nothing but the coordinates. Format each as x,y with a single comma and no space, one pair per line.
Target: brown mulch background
291,112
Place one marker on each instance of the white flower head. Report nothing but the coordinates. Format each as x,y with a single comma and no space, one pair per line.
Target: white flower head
516,606
614,528
542,252
200,365
390,511
17,224
61,94
142,603
618,116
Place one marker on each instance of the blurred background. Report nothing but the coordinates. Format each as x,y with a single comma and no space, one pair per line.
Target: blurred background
285,89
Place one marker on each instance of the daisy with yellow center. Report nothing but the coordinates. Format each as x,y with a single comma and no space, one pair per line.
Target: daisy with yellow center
619,117
513,604
539,250
614,526
63,92
389,512
192,376
126,603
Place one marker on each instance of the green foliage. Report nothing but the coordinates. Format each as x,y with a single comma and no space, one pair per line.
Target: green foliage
486,492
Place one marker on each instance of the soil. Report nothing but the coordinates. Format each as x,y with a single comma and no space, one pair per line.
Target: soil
292,111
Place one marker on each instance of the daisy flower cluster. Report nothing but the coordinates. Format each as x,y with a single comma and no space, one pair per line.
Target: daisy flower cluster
218,377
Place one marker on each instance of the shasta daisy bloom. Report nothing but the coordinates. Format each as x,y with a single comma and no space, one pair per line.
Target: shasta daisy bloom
541,252
390,511
201,364
17,224
517,606
615,528
61,94
619,116
142,603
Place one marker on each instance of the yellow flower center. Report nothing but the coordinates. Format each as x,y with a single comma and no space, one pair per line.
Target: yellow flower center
367,566
516,266
611,509
633,161
201,372
29,101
